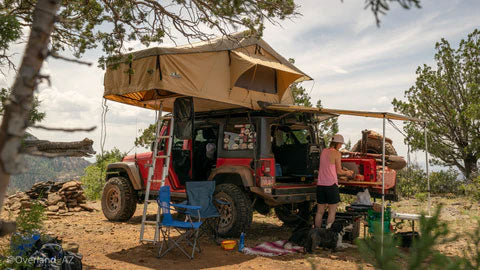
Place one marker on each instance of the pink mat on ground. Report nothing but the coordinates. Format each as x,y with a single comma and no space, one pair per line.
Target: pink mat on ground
272,249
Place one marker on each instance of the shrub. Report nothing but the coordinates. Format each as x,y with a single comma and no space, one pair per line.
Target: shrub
413,181
423,253
421,196
93,180
442,182
29,222
472,188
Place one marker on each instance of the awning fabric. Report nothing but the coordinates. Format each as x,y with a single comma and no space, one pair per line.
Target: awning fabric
387,115
222,73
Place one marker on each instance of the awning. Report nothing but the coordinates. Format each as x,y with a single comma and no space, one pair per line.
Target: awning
387,115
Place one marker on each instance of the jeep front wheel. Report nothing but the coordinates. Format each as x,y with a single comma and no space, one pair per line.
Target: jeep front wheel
118,199
236,214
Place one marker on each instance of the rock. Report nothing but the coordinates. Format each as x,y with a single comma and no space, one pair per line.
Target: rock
72,203
53,208
77,209
86,207
53,198
26,204
72,247
70,184
60,211
16,206
65,214
61,205
50,213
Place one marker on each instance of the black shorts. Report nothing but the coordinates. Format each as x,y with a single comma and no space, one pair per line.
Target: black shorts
328,194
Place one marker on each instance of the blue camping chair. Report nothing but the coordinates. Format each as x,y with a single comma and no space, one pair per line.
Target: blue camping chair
189,230
201,193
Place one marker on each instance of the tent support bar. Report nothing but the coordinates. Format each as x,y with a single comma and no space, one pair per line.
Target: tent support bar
383,183
426,169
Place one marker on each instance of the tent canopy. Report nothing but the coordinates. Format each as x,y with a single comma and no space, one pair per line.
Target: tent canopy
387,115
222,73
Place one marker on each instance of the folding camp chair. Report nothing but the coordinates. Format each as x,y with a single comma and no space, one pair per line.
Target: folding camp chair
189,230
201,193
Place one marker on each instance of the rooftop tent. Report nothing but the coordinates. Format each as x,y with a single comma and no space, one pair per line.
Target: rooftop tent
222,73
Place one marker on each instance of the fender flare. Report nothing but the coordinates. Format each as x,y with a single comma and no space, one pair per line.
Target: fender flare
131,169
245,173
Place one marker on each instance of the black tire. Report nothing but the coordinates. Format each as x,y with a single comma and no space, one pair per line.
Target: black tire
119,200
236,216
292,214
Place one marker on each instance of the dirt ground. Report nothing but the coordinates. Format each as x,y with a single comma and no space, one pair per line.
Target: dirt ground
109,245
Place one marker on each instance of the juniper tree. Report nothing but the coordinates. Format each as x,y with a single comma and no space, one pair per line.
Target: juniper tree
448,97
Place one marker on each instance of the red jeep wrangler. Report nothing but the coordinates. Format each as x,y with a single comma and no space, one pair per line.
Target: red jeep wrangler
258,159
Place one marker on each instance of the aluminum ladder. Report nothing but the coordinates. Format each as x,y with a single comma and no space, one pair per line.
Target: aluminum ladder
151,170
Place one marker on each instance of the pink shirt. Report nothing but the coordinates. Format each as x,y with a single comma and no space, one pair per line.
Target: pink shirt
327,173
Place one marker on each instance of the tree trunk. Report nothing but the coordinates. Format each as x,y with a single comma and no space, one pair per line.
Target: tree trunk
17,108
471,168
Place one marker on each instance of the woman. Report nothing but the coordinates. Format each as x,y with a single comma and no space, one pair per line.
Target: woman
327,185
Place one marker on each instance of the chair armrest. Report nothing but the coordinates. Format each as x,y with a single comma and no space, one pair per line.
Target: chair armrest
184,206
221,202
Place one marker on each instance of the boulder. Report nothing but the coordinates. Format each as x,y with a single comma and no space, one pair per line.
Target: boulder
26,204
15,206
53,208
61,205
53,198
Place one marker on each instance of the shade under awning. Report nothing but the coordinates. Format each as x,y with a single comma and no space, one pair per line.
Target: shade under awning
387,115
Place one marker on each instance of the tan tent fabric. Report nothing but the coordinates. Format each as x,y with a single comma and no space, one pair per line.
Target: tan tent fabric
387,115
234,72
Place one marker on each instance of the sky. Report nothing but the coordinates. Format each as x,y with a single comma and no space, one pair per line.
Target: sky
355,65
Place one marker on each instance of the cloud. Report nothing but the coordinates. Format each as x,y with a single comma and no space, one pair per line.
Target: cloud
355,66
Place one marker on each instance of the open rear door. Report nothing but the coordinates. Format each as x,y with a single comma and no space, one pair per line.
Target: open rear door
184,117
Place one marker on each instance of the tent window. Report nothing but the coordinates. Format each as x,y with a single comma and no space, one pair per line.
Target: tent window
259,78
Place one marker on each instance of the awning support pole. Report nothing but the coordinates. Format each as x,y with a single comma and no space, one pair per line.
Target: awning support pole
426,169
383,184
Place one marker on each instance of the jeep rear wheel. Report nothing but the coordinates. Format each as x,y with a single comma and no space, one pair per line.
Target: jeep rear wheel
118,199
291,214
235,216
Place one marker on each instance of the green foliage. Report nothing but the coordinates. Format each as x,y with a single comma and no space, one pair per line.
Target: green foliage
413,182
472,188
93,179
29,221
118,24
449,98
472,252
10,31
147,137
327,128
35,114
381,256
421,196
382,6
422,255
